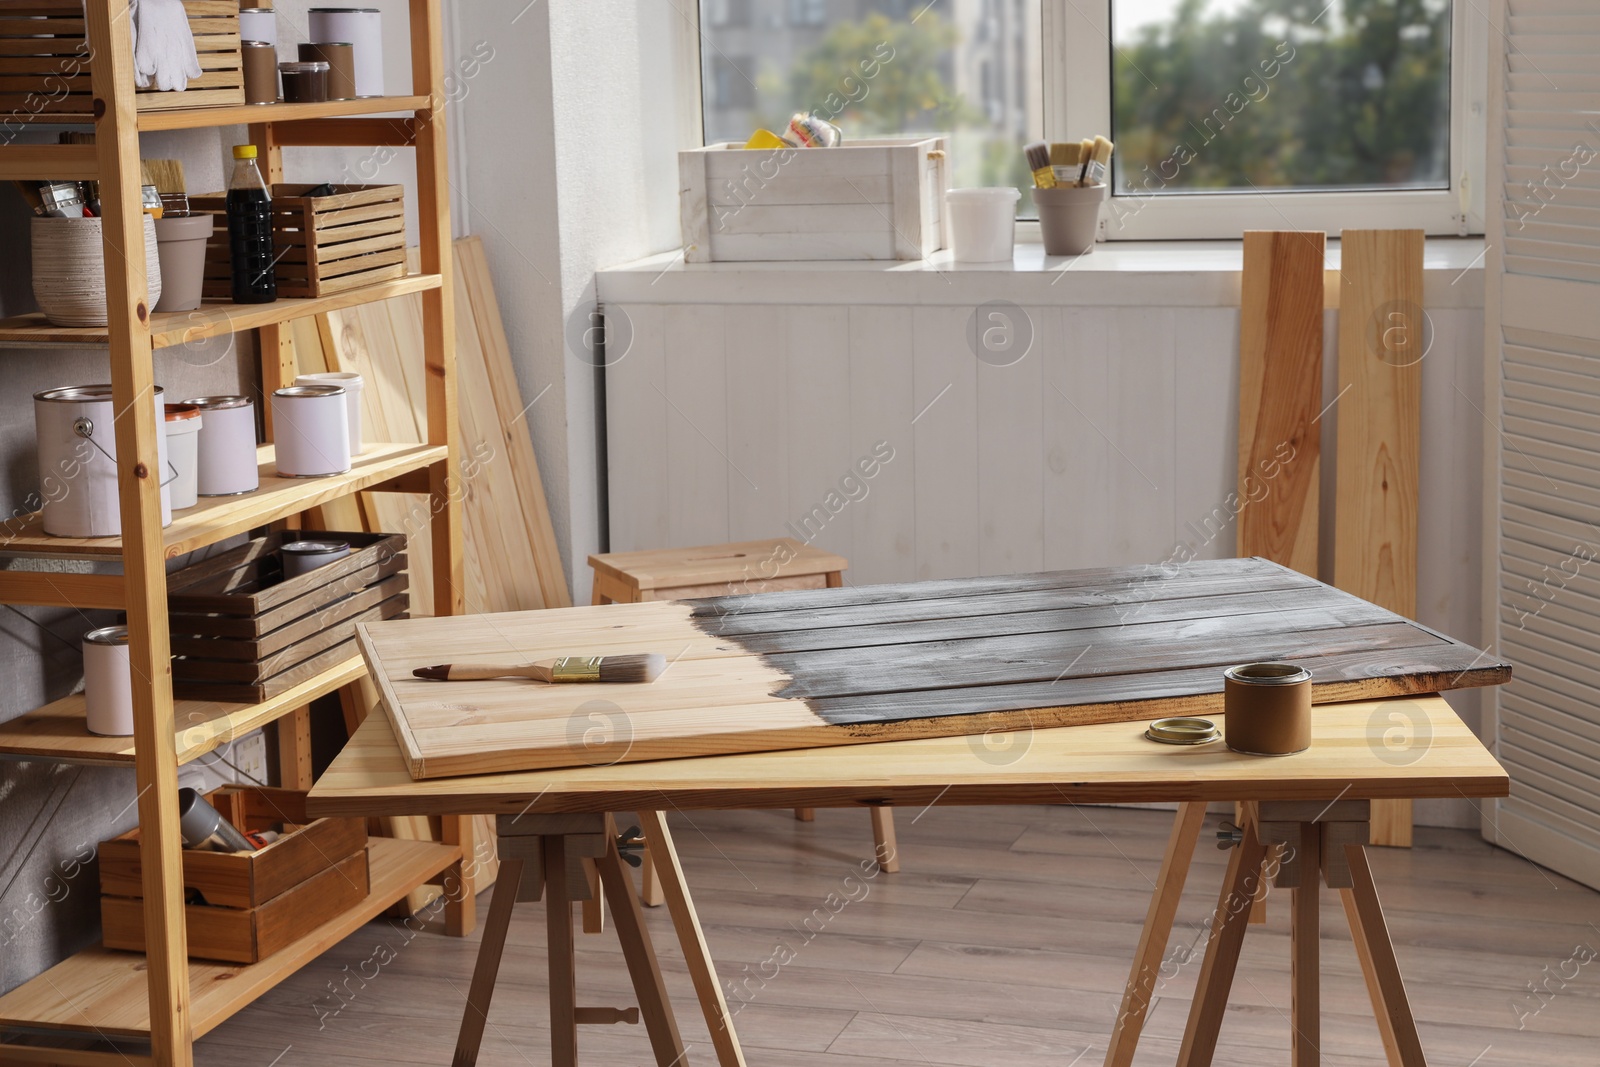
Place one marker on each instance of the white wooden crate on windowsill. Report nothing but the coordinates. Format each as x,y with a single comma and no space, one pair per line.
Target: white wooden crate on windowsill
867,199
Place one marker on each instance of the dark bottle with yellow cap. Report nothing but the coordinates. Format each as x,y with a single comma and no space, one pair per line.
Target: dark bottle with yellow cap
250,231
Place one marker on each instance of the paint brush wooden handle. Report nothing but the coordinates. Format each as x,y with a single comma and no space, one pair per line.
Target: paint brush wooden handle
635,668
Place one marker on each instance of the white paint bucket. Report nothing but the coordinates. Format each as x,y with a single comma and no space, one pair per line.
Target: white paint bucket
76,432
227,463
108,682
983,224
360,27
302,557
354,385
183,448
311,429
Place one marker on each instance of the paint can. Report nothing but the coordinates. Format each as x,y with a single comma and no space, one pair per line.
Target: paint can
75,428
260,71
183,448
227,463
1268,708
341,59
354,385
258,24
362,29
311,428
303,557
108,682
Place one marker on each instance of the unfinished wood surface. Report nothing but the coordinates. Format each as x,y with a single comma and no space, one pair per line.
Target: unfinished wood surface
743,565
1305,972
487,968
644,967
1087,764
1139,993
1375,950
1280,397
1229,923
1383,335
846,666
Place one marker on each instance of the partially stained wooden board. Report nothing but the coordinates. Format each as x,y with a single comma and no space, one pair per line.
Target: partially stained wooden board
823,667
1280,396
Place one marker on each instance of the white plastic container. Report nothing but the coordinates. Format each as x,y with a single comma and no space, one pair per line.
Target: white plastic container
227,463
78,461
302,557
311,428
183,450
361,27
983,224
108,682
354,385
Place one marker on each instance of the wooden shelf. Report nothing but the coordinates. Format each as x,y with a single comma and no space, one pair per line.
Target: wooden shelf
58,732
209,320
103,992
217,518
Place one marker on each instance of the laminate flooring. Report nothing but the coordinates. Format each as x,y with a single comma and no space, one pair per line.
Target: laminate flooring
1004,940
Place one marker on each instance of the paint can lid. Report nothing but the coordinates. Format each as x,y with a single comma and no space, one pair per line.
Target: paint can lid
310,390
107,635
1267,674
76,394
182,412
213,403
1183,730
314,548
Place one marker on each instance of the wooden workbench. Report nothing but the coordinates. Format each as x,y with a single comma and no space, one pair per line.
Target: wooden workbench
1404,747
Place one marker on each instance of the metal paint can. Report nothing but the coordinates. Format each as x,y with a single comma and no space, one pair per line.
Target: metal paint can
354,385
311,428
227,465
108,682
258,24
75,429
260,71
303,557
362,29
1268,708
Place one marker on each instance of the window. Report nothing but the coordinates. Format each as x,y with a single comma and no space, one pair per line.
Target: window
1227,114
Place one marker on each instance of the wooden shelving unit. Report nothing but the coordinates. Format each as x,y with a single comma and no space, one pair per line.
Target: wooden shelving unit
162,997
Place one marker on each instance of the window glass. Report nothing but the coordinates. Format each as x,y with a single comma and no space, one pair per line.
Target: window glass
876,68
1283,95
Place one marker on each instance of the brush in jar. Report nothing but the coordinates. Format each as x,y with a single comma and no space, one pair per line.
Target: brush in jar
1038,156
1064,162
1098,169
631,668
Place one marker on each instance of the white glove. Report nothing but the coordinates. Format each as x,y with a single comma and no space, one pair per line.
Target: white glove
164,52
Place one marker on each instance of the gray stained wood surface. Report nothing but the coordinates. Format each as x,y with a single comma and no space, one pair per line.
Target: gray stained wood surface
1005,939
1079,638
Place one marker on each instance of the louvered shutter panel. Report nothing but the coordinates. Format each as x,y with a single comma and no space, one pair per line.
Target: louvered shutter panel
1543,334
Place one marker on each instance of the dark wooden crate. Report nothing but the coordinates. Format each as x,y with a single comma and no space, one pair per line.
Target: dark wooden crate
325,244
258,902
241,632
45,61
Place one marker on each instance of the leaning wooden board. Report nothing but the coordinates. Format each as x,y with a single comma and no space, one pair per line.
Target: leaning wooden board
813,668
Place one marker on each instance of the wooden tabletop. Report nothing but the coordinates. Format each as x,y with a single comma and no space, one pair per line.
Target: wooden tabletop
1401,747
833,667
731,564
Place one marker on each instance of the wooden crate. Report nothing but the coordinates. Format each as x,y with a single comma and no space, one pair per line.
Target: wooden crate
45,60
255,903
243,633
325,244
868,199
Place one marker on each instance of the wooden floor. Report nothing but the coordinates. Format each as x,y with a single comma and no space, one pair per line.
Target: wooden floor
1004,940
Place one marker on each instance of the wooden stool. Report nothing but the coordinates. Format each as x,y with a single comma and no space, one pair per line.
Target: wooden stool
566,858
729,570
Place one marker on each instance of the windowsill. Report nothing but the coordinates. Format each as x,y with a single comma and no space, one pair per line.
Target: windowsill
1169,274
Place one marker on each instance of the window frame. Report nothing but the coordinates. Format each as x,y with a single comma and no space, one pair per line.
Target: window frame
1076,86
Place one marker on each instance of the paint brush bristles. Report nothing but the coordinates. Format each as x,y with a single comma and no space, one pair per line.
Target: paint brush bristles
1038,155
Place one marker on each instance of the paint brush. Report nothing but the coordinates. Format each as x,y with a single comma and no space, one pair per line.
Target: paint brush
1099,168
1064,162
1085,155
636,668
1038,154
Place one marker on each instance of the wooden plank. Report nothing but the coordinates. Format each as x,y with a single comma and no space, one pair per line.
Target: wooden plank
1305,921
730,692
1229,923
1280,397
1381,347
1376,955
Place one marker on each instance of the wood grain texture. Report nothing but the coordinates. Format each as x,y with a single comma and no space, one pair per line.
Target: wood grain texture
915,660
1382,338
1280,397
1087,764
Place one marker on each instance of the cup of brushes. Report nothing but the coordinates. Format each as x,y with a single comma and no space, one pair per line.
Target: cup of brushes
615,669
1070,184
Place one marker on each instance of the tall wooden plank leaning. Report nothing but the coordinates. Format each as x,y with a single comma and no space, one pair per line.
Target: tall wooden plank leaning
1381,346
720,570
163,997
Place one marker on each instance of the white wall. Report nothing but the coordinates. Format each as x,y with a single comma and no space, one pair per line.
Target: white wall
580,98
